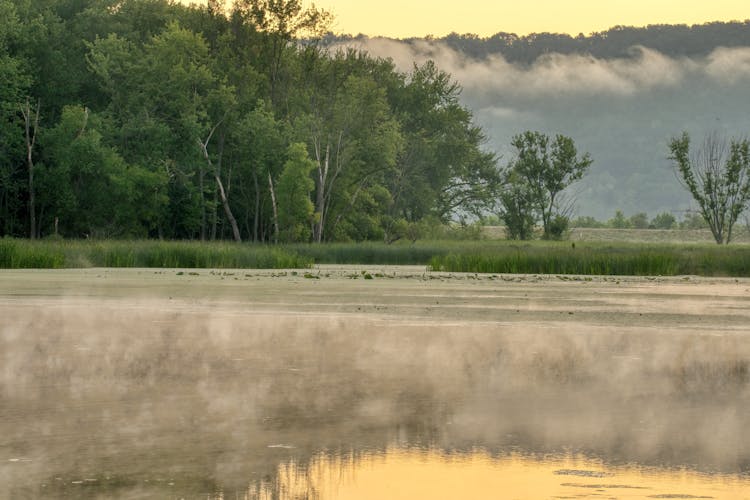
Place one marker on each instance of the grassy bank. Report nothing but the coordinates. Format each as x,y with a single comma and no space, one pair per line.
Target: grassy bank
498,257
21,254
600,259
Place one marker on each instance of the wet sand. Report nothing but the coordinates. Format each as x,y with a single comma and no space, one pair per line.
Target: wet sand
196,383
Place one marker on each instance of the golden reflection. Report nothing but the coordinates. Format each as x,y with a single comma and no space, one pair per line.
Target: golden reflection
399,473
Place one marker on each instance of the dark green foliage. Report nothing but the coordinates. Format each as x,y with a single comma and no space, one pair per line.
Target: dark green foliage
664,220
639,220
160,120
294,188
518,209
558,227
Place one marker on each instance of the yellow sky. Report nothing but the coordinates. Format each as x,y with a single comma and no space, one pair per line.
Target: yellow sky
405,18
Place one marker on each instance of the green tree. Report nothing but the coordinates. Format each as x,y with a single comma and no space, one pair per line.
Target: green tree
258,138
14,88
619,221
693,220
639,220
87,189
443,167
518,204
548,167
717,174
165,100
664,220
294,189
353,137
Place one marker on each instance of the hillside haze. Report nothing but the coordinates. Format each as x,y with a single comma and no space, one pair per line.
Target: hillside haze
621,95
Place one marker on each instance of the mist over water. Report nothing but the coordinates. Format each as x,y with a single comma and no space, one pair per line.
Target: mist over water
224,388
623,111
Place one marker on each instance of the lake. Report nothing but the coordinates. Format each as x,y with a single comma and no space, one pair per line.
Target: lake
146,383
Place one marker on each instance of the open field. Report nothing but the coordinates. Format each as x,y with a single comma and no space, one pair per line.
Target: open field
183,383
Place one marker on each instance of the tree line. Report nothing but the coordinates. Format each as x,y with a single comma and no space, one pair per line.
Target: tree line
150,119
617,42
146,118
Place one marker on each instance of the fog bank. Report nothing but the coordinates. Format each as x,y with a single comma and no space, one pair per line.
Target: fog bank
623,111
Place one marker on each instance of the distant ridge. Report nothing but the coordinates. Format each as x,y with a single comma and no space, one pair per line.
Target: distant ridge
673,40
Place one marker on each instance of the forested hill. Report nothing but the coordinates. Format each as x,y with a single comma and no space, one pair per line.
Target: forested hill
671,40
149,118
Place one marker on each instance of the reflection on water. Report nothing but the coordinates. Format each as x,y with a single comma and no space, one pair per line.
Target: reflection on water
409,473
173,399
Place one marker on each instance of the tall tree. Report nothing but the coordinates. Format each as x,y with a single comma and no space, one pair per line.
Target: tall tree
15,84
717,174
353,137
295,213
222,192
31,128
548,167
443,166
282,21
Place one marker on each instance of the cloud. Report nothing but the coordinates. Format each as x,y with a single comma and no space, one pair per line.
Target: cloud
564,74
729,66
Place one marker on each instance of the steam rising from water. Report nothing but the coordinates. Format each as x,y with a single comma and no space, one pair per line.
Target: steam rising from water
212,394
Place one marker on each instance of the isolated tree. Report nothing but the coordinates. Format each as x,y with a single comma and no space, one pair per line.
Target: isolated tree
717,174
548,167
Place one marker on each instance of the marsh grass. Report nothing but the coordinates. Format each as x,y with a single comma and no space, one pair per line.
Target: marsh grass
600,259
496,257
55,254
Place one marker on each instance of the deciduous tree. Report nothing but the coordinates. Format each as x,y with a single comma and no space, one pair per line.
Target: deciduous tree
717,174
548,167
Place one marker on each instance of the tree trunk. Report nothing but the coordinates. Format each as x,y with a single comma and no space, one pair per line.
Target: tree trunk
214,212
275,210
256,217
228,210
201,187
31,125
320,195
222,193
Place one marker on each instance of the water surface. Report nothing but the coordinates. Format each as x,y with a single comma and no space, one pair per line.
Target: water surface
143,384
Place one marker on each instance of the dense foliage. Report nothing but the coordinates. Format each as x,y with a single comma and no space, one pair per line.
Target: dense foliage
147,118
